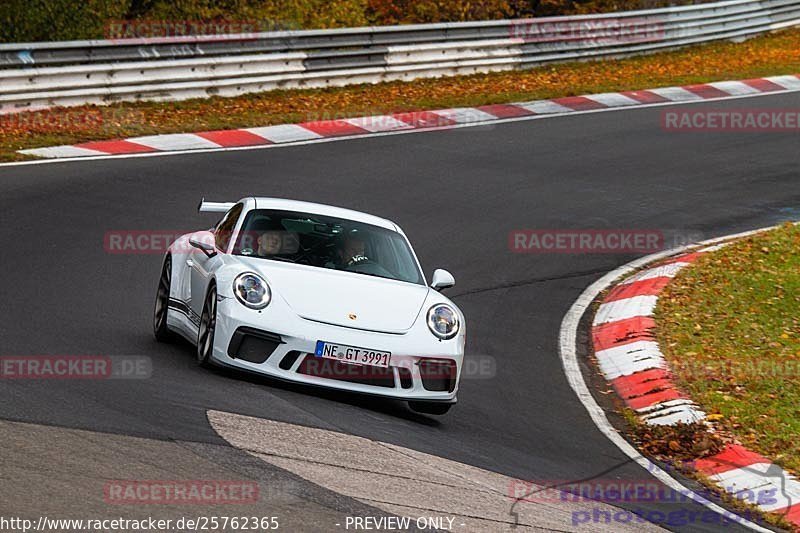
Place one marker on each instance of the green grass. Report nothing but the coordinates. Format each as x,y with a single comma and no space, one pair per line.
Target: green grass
730,329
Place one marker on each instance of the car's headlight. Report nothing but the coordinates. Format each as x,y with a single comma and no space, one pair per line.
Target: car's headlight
252,290
443,321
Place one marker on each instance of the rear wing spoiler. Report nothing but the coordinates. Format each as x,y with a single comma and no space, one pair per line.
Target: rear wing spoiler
214,207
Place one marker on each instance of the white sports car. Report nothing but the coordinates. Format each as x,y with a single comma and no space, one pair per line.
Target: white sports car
314,294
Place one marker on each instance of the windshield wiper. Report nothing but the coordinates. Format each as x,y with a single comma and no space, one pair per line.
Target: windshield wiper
373,275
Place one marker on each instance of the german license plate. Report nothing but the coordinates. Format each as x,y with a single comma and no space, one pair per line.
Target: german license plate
352,354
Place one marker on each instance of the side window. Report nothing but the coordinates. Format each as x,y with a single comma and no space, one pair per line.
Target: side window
224,230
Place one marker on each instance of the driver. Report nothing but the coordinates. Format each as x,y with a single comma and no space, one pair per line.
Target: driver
269,243
352,251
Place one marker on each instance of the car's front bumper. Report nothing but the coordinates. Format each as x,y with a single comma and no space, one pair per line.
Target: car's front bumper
278,343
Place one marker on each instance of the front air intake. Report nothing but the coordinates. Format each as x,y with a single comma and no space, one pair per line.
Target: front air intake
252,345
374,376
438,375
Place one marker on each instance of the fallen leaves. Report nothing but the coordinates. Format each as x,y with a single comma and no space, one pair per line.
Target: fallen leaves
678,444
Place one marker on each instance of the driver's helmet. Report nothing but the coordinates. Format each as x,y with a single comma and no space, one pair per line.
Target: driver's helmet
352,247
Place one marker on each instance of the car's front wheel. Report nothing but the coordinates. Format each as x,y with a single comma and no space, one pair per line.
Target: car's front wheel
430,408
208,325
160,329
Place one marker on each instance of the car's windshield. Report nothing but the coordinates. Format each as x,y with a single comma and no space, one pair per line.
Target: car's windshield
327,242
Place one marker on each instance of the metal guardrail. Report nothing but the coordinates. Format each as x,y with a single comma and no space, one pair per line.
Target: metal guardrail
36,75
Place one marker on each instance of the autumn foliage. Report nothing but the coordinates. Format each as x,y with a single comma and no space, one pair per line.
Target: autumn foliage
54,20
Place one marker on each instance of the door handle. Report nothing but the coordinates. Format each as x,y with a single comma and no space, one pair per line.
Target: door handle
190,263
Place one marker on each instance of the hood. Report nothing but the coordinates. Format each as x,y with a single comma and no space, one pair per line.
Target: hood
332,296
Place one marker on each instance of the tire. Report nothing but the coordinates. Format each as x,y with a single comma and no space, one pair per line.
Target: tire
430,408
160,329
208,326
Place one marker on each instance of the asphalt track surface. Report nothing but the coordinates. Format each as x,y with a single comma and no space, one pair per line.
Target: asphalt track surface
457,194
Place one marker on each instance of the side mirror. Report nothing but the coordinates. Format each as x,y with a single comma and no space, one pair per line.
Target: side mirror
442,279
205,247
